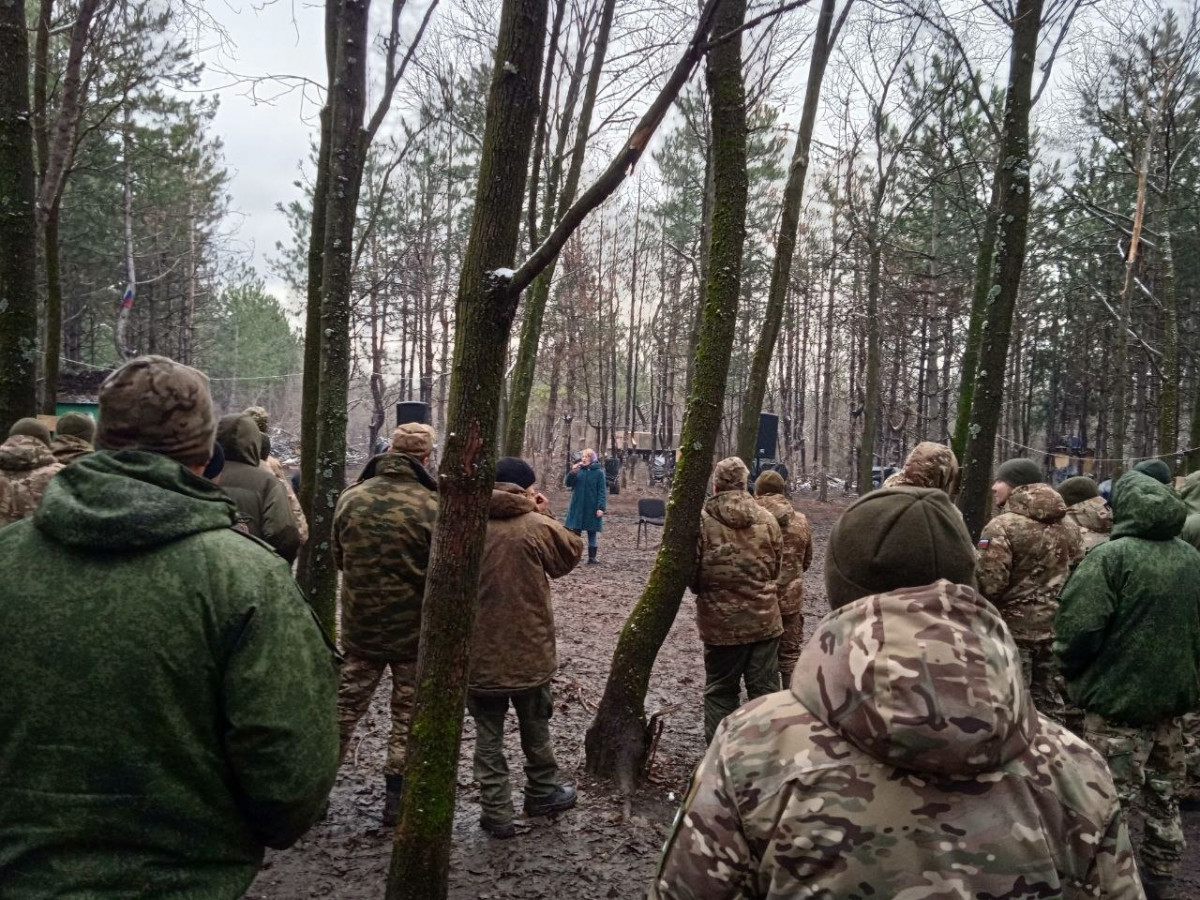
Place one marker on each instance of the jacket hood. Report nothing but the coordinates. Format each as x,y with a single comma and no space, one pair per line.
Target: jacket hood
21,453
778,506
1039,502
736,509
398,465
1144,508
128,500
510,501
1190,492
926,679
241,440
1093,514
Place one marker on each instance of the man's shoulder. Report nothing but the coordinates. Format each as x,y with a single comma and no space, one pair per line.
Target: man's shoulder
1061,763
387,494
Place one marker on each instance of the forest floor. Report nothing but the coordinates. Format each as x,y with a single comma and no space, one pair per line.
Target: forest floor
603,849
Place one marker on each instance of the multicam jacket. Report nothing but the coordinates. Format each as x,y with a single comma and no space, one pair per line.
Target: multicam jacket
513,647
67,448
737,571
382,532
797,550
1094,520
26,467
907,762
1190,495
1025,556
275,467
929,465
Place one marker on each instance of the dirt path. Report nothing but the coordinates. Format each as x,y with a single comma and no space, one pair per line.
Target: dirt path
600,850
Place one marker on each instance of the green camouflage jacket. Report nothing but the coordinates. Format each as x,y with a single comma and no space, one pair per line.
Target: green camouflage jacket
382,532
513,647
737,571
1094,520
907,762
1025,556
797,550
169,699
26,467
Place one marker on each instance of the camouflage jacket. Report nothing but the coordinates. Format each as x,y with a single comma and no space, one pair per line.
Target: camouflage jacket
513,647
1094,520
797,550
929,465
1025,556
382,531
67,448
907,761
737,571
26,467
275,467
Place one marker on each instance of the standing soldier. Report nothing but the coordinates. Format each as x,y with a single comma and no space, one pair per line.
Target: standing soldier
1126,597
740,555
382,532
770,493
272,464
589,499
1087,509
73,435
26,467
929,465
1026,554
261,500
1190,798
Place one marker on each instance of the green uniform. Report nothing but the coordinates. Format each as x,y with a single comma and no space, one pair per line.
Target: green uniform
168,701
261,501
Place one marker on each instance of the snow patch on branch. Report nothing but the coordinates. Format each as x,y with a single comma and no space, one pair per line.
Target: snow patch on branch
506,274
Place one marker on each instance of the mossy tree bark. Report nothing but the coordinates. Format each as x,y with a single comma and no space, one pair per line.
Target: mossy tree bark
824,38
18,224
616,741
1005,282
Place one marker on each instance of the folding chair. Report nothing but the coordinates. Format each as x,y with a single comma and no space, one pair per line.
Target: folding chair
651,511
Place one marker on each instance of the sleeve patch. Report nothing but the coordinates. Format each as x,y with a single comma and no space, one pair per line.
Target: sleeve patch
984,543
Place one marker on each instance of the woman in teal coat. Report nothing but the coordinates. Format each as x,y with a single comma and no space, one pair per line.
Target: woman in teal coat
589,499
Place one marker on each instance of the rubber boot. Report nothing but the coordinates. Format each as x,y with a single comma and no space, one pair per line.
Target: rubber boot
391,800
1160,887
592,556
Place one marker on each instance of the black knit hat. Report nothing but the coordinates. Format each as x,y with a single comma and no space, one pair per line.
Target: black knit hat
896,538
1077,489
1019,472
1156,469
514,470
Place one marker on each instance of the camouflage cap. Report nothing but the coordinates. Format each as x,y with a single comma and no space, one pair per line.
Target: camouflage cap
261,417
413,438
30,427
930,465
77,425
730,474
158,405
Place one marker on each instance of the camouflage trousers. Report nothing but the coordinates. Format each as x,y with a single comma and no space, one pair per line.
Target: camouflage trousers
359,679
1148,769
791,643
726,667
534,708
1040,673
1191,753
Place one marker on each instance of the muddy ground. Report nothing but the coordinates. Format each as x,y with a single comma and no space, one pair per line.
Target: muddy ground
601,850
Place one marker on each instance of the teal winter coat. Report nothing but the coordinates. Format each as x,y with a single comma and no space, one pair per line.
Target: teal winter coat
589,492
1127,635
169,702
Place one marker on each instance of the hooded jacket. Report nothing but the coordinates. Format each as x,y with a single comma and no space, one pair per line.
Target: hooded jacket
1025,556
1190,495
67,448
906,761
261,501
382,532
797,551
1094,520
513,648
739,558
589,492
26,467
1128,626
169,699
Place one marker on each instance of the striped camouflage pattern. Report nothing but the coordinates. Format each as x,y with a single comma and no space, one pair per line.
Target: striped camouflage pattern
1026,555
26,467
906,763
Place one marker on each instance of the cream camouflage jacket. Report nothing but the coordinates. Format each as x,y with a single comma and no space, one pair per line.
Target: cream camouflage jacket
797,551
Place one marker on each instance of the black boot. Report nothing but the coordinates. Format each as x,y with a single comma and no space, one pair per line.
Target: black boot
500,830
1160,887
391,800
561,800
591,556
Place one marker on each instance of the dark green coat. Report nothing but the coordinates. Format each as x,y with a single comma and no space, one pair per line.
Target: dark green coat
260,497
1128,626
169,702
589,492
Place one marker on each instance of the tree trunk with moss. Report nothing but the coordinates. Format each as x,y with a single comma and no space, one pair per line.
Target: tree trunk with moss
617,741
1011,234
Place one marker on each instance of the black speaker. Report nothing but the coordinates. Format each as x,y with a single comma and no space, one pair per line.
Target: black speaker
412,411
768,436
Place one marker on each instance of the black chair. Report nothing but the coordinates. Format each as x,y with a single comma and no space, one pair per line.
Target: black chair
651,511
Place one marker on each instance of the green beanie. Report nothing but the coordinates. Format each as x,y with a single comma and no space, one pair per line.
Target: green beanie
1019,472
1077,489
76,425
30,427
897,538
1156,469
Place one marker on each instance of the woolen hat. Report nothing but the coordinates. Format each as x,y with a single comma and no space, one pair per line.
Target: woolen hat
897,538
158,405
1078,489
76,425
514,470
1156,469
769,482
1019,472
30,427
730,474
413,438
